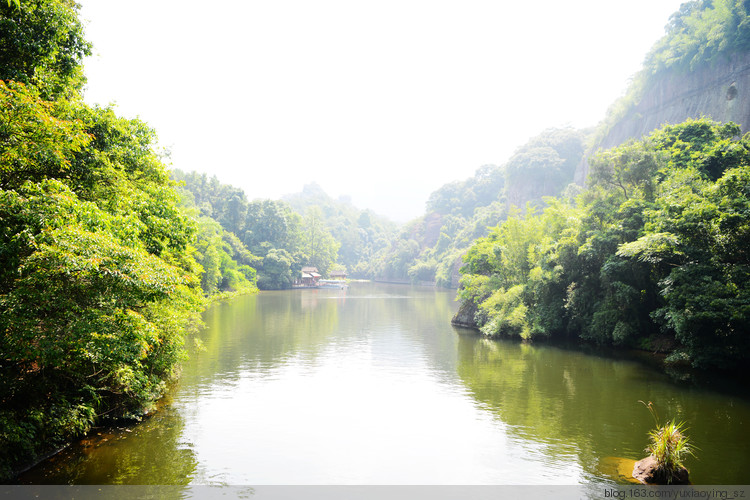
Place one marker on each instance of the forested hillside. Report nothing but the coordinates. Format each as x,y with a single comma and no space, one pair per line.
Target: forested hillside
280,237
701,67
429,249
653,254
363,236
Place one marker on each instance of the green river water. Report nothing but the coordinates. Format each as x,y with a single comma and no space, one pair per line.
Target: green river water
372,385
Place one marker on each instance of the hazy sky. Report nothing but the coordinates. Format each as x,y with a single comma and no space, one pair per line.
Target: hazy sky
384,100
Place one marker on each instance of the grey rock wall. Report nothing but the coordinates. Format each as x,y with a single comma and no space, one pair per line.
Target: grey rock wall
720,91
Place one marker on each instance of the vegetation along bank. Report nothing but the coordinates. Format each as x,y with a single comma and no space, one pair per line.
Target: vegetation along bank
101,270
107,258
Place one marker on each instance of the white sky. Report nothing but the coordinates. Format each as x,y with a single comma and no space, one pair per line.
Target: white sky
384,101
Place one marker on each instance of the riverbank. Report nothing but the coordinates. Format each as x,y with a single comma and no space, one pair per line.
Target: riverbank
10,471
657,356
13,463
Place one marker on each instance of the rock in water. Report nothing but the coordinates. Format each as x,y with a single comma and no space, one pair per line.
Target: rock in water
646,471
465,315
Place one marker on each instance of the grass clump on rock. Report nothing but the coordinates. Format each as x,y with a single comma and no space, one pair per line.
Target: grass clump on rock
668,448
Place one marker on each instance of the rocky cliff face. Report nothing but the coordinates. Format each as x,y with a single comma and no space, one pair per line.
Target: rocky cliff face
720,91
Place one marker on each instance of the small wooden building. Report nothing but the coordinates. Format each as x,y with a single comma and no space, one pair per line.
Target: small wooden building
310,276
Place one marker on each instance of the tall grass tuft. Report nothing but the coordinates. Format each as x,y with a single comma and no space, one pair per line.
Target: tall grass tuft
669,445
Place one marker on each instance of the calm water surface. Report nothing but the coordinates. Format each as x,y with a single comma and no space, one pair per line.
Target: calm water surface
372,385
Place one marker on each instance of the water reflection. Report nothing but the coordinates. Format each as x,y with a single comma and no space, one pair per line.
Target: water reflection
589,407
372,385
107,456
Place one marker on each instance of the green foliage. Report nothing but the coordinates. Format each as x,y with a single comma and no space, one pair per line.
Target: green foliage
34,143
699,32
462,198
278,270
89,317
630,167
400,259
235,236
514,274
669,446
506,313
272,224
461,212
42,45
656,246
98,279
700,234
330,232
226,264
317,243
423,272
362,236
544,166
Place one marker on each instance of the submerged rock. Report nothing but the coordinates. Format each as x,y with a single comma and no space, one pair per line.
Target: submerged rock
646,471
619,469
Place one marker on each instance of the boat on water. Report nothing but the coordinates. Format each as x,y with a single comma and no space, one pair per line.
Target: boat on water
340,284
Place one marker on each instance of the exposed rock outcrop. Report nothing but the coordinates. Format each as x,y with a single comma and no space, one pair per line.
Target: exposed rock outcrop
465,315
720,91
646,471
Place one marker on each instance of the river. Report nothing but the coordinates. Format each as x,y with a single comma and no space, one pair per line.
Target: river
372,385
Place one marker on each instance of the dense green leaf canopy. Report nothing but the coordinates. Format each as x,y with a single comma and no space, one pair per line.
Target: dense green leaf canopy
98,271
43,44
653,254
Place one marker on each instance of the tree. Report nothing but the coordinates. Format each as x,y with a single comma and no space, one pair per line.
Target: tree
34,142
317,242
273,223
630,167
276,271
43,45
698,236
698,33
97,277
92,323
543,166
653,254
